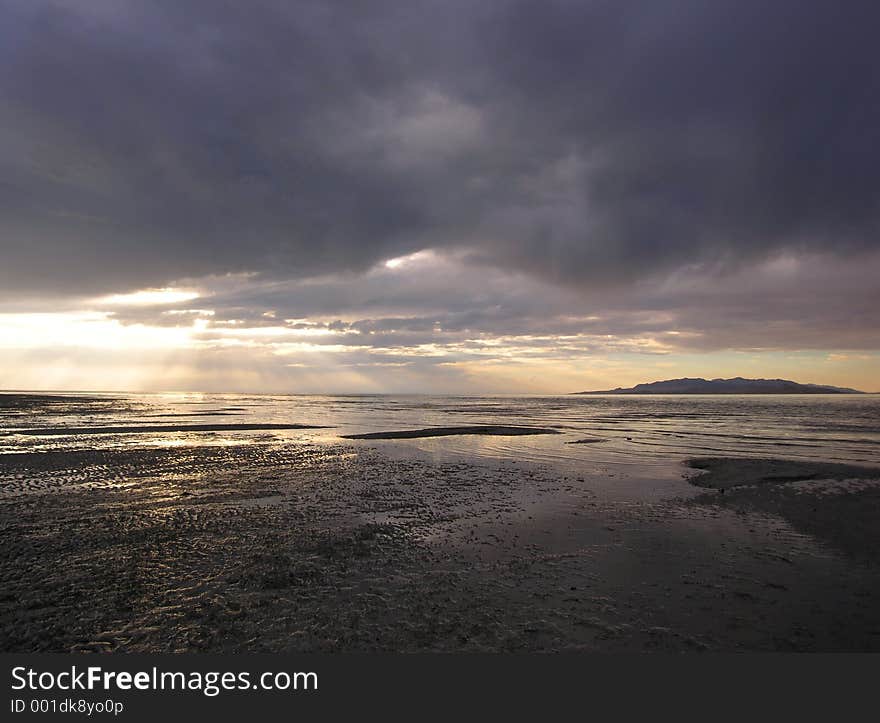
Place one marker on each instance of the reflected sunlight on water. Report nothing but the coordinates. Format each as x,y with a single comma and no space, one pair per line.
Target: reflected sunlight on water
629,429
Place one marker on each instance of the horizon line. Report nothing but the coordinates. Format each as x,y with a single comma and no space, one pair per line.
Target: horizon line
602,393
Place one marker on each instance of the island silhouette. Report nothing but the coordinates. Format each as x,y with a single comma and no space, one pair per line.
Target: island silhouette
737,385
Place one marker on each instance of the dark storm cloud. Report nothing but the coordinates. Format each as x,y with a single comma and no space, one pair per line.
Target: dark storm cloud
586,142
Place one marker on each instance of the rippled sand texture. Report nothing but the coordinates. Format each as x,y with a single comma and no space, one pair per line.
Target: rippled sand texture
281,543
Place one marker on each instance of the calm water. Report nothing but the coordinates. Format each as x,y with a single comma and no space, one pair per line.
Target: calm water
642,430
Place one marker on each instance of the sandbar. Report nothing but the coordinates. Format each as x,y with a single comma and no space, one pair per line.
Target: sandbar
494,430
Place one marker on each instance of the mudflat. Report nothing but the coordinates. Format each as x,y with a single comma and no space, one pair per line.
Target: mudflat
300,546
725,472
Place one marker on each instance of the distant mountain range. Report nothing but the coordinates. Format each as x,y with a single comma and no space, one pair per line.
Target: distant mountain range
738,385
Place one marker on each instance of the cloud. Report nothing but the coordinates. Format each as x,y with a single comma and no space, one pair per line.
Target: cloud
586,142
553,178
788,302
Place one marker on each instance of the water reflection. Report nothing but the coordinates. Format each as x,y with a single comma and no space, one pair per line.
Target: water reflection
633,430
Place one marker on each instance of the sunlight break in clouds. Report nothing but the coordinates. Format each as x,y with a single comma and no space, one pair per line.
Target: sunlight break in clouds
447,196
148,297
419,257
89,330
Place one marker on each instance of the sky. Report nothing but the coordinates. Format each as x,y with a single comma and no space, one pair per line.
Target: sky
437,197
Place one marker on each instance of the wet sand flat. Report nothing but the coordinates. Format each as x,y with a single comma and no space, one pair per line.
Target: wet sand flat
836,503
725,472
297,546
494,430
